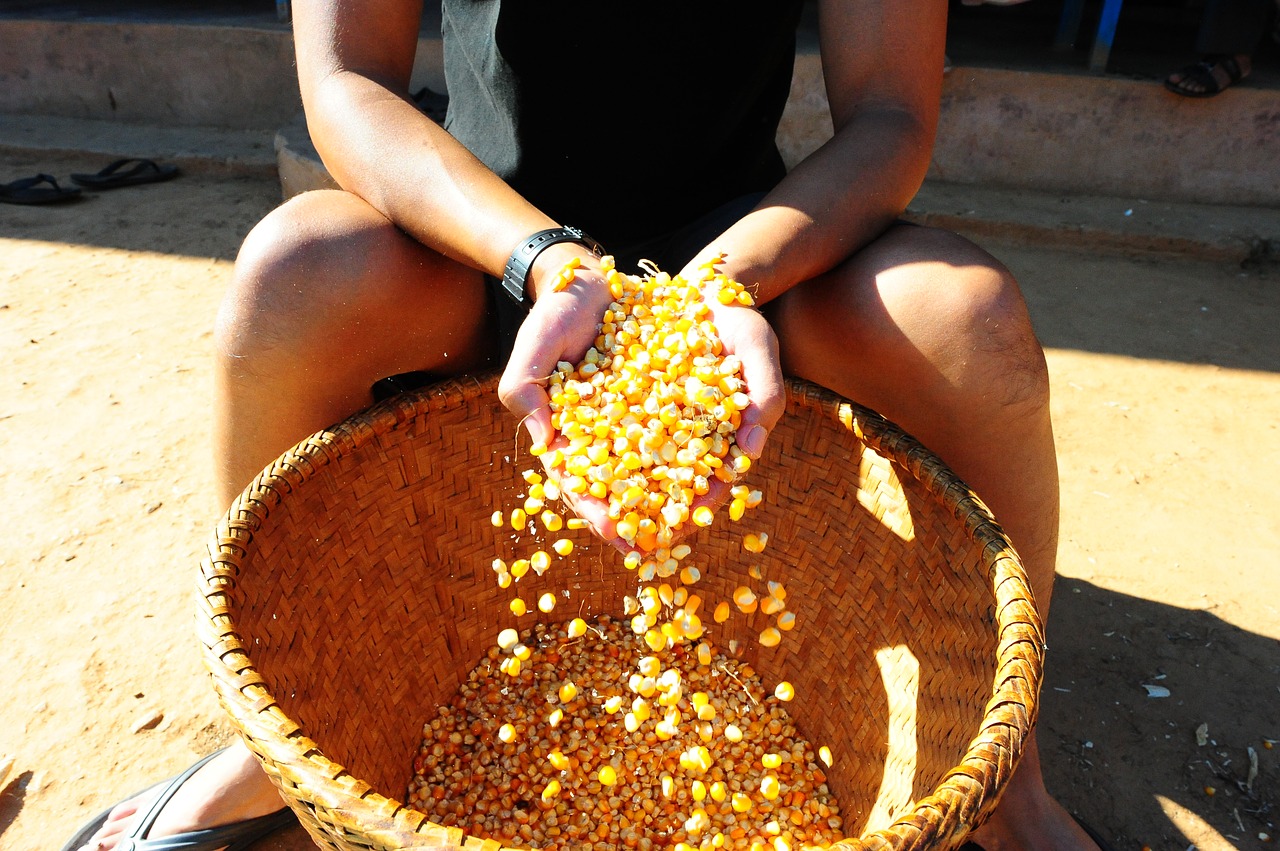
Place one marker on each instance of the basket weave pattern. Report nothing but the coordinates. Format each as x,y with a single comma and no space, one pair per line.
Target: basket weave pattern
348,591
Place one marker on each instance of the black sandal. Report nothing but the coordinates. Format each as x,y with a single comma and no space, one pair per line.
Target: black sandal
1198,80
41,189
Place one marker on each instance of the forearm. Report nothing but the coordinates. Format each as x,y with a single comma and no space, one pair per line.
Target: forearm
382,148
834,202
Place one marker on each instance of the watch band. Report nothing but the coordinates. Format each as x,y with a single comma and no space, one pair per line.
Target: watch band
516,274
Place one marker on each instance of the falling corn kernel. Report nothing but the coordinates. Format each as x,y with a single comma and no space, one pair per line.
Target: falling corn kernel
577,627
551,521
540,561
518,519
556,716
496,519
721,613
568,691
787,621
508,638
518,607
755,543
608,776
824,754
771,760
784,691
551,791
703,516
558,761
575,523
733,732
563,546
770,637
769,787
546,602
507,732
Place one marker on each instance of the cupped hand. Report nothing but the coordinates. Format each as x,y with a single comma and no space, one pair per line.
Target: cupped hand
561,326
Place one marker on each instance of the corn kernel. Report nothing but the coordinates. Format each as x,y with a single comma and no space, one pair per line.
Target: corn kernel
608,776
518,607
563,546
496,519
547,602
784,691
770,637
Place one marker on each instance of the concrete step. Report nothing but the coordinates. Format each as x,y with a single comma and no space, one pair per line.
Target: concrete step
177,64
216,150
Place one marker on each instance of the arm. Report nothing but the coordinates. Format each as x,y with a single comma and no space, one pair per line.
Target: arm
355,58
883,67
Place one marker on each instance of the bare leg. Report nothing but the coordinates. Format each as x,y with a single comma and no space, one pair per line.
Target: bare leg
327,298
932,332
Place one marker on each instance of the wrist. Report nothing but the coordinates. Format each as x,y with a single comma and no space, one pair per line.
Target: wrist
516,275
562,265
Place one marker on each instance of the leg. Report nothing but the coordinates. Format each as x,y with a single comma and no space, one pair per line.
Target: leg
932,332
327,298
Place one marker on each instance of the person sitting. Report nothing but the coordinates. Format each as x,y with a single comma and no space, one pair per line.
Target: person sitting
652,128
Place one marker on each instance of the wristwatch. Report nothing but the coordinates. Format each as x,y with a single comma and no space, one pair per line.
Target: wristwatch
516,274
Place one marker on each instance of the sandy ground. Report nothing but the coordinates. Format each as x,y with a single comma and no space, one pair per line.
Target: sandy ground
1166,401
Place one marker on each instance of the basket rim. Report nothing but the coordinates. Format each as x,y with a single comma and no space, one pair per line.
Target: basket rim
961,802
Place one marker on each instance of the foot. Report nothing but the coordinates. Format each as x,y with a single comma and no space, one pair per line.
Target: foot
229,788
1028,818
1210,76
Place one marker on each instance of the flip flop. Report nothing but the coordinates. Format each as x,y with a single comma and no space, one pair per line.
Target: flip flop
30,190
233,837
127,172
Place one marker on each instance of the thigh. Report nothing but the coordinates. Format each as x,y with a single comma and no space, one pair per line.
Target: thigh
328,297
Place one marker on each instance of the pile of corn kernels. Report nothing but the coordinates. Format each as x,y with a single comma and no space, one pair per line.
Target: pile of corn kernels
646,737
543,759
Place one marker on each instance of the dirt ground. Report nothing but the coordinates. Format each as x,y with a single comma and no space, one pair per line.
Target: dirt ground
1166,378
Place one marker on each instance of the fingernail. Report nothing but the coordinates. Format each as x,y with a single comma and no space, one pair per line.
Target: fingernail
752,442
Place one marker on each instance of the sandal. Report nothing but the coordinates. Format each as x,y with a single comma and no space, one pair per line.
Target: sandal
32,190
233,837
1200,81
117,174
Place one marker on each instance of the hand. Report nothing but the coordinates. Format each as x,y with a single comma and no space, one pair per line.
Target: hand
561,326
746,334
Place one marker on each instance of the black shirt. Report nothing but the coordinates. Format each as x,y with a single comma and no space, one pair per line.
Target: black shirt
625,118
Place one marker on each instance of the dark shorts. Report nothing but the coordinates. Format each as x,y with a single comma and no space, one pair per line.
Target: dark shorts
669,252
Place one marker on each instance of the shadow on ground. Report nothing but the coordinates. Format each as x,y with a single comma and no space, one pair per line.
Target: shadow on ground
1216,674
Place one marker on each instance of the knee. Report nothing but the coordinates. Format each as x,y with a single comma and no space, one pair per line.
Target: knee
296,279
923,309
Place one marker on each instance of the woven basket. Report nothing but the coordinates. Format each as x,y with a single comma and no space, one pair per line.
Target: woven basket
348,591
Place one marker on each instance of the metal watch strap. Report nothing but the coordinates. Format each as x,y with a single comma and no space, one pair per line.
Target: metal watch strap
516,275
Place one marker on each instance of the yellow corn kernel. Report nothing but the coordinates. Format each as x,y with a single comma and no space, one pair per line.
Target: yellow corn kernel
556,716
551,791
496,519
547,602
567,692
703,516
508,638
577,627
771,760
558,760
770,637
769,787
608,776
824,754
507,733
721,613
551,521
575,523
784,691
518,607
563,546
518,519
540,561
755,543
787,621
